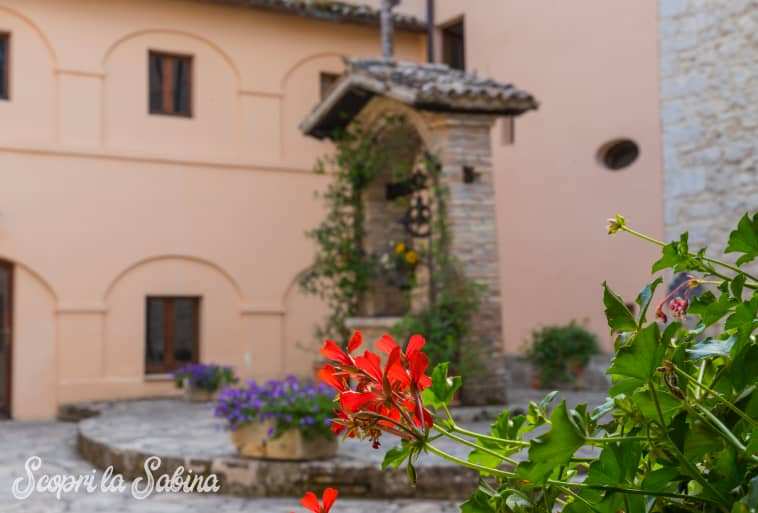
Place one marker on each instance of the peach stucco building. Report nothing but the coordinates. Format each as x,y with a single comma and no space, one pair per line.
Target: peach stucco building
136,215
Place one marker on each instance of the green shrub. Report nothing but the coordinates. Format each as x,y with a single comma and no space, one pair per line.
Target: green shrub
559,353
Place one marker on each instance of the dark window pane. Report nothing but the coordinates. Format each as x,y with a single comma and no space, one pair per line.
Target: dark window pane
181,85
453,46
156,82
327,82
185,329
3,66
156,331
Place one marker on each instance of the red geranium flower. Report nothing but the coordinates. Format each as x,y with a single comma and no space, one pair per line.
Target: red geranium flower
310,501
373,399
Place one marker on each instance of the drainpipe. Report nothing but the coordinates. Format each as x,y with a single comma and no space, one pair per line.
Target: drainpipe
387,36
430,31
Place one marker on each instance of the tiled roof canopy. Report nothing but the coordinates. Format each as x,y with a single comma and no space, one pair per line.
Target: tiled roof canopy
434,87
328,10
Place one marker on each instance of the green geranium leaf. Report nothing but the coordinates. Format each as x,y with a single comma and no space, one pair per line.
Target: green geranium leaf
752,446
641,356
616,312
711,347
748,503
744,239
644,298
744,315
517,503
479,502
710,309
674,254
552,449
662,480
670,405
443,387
396,456
507,427
485,459
737,285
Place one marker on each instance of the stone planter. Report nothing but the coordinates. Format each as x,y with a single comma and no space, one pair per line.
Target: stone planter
252,441
198,395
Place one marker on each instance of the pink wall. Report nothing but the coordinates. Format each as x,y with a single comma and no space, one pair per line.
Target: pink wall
593,66
103,204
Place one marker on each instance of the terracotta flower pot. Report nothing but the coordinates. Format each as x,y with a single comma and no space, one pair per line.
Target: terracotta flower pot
198,395
252,440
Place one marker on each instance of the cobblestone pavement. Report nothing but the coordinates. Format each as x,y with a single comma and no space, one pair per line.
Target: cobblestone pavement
54,443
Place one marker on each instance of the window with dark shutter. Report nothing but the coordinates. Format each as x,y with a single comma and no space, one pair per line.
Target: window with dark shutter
4,69
172,333
453,46
170,79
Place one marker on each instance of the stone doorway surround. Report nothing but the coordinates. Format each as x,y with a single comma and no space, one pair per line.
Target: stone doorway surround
453,112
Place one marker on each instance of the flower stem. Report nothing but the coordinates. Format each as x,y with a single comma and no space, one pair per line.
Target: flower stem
727,434
463,463
473,445
707,259
718,396
693,471
502,441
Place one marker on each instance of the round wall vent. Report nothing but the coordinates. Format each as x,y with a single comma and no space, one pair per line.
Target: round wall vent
618,154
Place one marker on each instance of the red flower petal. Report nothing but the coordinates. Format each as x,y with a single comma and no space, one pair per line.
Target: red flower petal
386,344
415,344
330,494
371,364
327,374
333,352
355,401
310,502
418,365
355,341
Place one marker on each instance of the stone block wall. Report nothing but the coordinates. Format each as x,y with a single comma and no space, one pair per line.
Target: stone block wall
709,115
463,141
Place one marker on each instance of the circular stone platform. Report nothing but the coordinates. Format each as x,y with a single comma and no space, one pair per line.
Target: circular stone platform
126,433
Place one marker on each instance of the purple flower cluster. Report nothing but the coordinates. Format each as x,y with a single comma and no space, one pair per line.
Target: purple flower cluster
289,404
209,377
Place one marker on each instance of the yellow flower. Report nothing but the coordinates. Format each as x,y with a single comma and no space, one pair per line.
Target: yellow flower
411,257
399,247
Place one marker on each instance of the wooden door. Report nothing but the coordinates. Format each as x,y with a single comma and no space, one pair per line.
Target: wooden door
6,325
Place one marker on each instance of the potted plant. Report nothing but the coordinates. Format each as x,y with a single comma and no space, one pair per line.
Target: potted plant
284,420
398,264
202,382
559,355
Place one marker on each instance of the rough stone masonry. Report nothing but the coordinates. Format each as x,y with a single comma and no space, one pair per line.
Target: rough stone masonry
709,115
